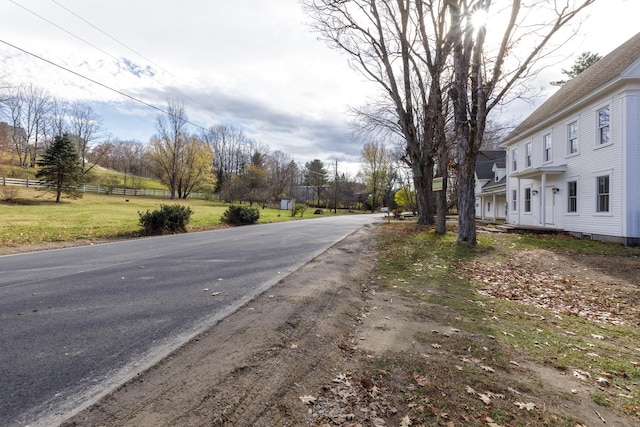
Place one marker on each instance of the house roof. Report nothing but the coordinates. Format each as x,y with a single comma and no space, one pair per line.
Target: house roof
495,186
486,160
606,70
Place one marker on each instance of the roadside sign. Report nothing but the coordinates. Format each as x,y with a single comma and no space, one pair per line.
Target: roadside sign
438,184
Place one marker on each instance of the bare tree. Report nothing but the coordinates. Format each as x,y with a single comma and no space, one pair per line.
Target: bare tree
196,170
228,145
58,117
402,46
123,156
27,108
281,174
376,169
166,148
484,77
84,126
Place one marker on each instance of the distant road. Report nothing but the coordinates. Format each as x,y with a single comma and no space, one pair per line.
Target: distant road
75,323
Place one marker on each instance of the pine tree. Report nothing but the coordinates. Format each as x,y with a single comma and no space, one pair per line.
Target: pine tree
60,170
584,61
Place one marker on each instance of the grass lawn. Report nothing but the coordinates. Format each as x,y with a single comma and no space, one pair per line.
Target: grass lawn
547,296
33,217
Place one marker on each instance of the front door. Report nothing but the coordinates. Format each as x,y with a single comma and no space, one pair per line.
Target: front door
550,205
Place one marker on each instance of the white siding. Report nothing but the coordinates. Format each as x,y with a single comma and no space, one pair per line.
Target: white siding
584,167
631,157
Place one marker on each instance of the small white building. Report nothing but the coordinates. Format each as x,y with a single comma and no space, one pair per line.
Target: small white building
287,204
490,185
574,163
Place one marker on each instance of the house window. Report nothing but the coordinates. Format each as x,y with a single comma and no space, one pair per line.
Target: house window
572,133
489,207
514,160
572,201
604,130
527,200
603,194
546,144
528,153
514,200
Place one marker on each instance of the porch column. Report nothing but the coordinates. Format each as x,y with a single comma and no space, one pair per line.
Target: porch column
543,199
495,208
519,201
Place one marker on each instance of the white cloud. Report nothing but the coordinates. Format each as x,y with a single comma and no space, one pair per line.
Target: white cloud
254,63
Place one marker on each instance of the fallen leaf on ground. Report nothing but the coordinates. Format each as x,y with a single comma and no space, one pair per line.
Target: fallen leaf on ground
308,400
581,375
485,399
420,380
405,422
528,406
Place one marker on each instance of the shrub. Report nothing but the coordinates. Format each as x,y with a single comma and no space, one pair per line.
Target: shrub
240,215
298,208
9,194
167,219
110,183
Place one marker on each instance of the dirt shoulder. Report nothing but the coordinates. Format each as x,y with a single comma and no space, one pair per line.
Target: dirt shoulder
330,346
252,368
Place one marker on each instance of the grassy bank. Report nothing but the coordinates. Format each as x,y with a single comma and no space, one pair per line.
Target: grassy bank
32,217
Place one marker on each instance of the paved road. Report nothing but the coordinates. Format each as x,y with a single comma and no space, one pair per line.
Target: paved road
75,323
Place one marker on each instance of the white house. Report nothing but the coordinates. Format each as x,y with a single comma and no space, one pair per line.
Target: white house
490,185
574,163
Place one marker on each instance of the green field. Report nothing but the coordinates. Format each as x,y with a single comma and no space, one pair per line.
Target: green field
33,217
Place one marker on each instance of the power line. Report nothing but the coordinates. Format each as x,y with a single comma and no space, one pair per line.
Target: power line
102,50
137,53
62,29
133,98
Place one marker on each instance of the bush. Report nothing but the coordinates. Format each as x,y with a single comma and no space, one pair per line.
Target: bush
298,208
9,194
168,219
240,215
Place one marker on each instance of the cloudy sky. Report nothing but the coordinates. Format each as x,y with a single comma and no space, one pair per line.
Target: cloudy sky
254,64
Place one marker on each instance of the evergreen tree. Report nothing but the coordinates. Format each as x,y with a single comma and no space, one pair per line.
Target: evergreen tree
316,176
60,170
584,61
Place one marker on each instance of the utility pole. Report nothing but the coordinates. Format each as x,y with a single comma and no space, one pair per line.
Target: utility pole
335,190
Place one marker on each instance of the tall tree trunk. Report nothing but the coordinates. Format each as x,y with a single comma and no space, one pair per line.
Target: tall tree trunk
441,196
422,168
466,195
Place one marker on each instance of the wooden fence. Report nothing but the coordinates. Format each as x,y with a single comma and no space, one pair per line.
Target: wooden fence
98,189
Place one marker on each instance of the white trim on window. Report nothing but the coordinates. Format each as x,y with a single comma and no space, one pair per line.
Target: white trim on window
527,200
603,123
603,194
573,146
572,197
547,152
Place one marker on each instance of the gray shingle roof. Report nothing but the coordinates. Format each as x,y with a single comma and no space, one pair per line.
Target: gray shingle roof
486,160
608,69
495,185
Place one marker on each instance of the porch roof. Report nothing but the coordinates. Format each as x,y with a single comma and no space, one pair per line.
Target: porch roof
536,172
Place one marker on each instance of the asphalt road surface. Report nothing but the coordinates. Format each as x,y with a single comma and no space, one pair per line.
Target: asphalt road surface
76,323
